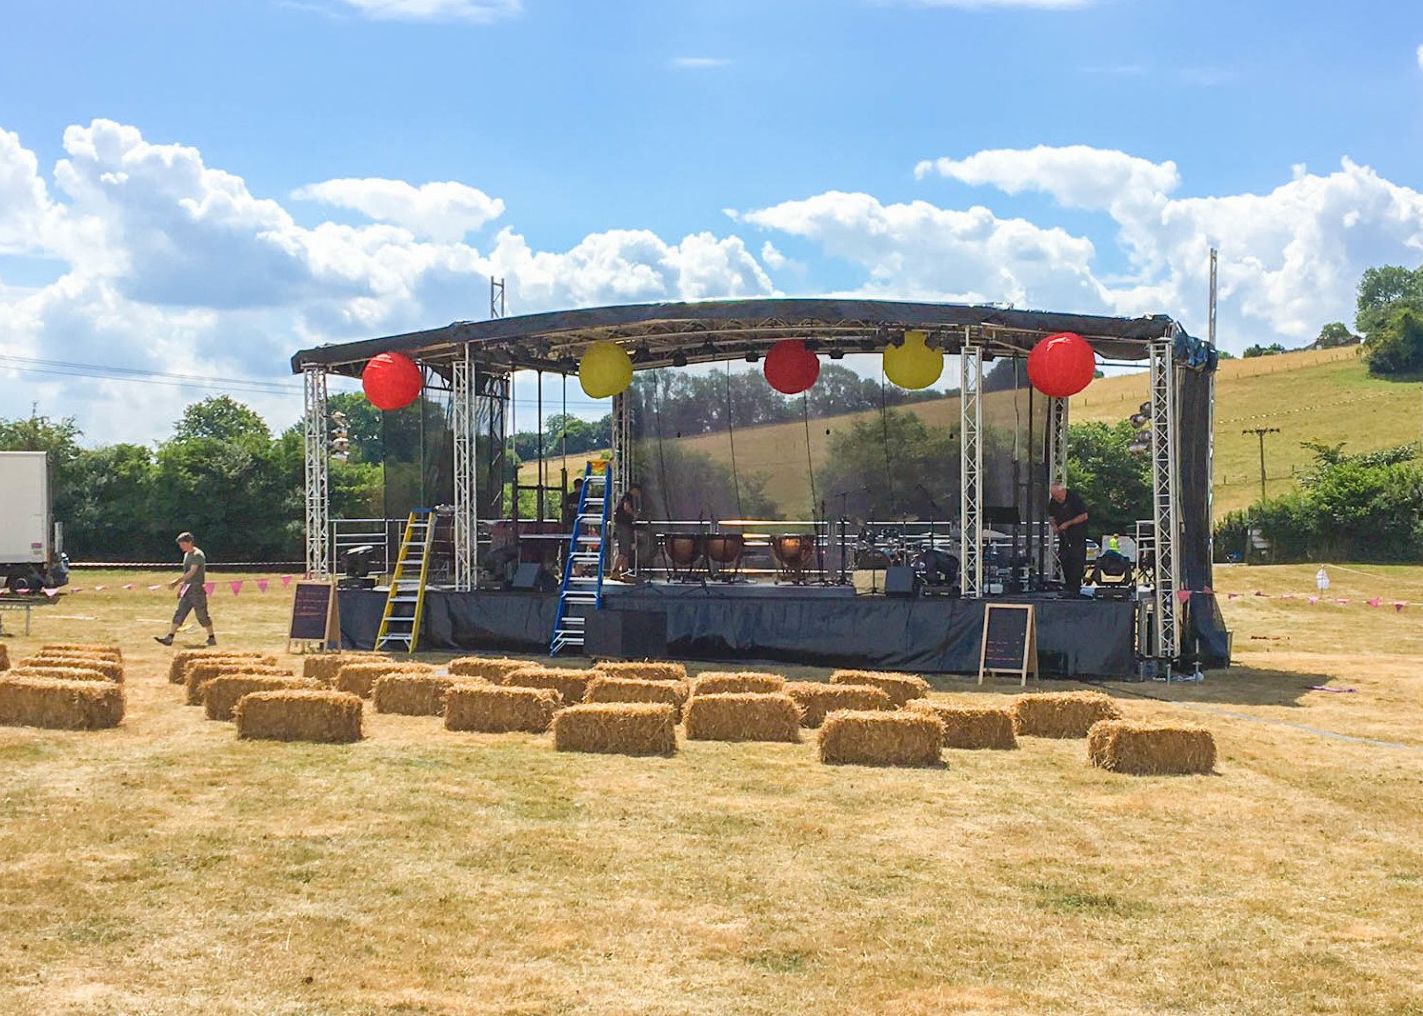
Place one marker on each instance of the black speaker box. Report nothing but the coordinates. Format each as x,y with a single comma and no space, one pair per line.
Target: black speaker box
899,581
626,634
534,576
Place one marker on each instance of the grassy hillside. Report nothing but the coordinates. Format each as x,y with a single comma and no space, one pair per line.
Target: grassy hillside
1325,396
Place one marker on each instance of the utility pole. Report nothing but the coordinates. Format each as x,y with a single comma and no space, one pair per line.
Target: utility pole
1260,432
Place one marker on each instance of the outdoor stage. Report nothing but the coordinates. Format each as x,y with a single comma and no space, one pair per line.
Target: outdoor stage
814,626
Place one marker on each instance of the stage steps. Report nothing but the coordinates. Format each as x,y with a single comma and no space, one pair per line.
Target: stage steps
405,603
580,595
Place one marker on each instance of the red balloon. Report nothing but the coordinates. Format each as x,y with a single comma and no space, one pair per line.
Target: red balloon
1061,365
790,367
391,381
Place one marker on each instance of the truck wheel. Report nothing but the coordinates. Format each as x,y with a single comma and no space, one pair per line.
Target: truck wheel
23,585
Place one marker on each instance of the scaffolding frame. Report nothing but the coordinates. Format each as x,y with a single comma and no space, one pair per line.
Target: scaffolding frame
622,445
462,421
318,474
1163,500
1056,469
971,467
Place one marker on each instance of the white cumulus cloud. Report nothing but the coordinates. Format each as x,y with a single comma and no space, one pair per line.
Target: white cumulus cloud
438,211
477,11
699,63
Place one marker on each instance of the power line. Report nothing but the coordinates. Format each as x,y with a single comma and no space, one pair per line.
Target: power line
101,372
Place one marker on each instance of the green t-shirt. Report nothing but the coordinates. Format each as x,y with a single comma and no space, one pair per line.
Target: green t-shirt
196,559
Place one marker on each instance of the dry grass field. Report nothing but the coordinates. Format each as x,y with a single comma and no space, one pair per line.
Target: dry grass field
164,867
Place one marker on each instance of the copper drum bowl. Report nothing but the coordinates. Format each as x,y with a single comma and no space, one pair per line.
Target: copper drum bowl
794,552
725,548
682,549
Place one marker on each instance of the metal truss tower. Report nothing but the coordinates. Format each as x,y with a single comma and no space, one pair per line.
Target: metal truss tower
971,467
1163,499
462,422
1056,468
318,505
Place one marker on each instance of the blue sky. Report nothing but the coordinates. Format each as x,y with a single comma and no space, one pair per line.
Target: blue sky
1092,151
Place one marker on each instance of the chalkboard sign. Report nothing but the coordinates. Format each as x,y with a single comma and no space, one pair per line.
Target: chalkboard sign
1010,641
314,614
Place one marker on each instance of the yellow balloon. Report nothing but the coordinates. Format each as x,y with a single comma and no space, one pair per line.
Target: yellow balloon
605,370
913,365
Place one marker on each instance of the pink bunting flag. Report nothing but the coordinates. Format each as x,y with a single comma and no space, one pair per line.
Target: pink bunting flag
158,585
1231,596
128,585
4,590
100,589
236,586
286,580
1375,602
1183,595
1398,605
208,587
1313,599
1208,591
1342,603
1258,593
51,593
75,589
262,585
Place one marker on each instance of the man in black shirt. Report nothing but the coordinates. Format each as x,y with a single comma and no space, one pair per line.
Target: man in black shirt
1069,521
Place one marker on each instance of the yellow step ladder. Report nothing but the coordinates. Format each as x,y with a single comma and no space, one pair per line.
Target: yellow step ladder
405,603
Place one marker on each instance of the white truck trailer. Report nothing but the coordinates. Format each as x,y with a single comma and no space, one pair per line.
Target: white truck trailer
30,555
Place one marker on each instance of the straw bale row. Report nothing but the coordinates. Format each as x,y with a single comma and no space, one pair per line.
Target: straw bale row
1061,713
607,688
412,693
899,687
57,673
221,694
60,705
492,668
970,726
359,678
112,669
1149,749
720,682
497,709
84,649
4,657
324,667
571,685
643,671
199,673
322,715
183,658
623,728
817,699
742,716
875,737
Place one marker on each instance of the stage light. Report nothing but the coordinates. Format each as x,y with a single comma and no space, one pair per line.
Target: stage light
837,353
679,359
752,356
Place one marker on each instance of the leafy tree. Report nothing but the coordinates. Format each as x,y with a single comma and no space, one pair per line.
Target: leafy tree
1333,335
890,466
221,418
1006,374
108,506
1272,349
1115,483
1395,345
1383,290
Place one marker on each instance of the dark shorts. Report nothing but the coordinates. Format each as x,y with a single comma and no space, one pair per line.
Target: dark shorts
194,600
626,538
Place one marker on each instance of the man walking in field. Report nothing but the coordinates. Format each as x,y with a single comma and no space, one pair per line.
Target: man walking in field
194,596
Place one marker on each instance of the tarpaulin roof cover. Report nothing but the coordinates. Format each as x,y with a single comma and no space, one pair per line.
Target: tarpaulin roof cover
663,334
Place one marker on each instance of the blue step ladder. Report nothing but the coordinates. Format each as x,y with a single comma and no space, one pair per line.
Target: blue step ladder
581,594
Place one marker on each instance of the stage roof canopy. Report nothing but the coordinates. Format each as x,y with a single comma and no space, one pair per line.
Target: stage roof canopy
675,334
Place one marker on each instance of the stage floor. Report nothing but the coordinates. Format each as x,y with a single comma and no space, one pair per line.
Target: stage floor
827,626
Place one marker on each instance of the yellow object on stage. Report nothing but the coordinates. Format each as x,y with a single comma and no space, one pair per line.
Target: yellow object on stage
605,370
913,365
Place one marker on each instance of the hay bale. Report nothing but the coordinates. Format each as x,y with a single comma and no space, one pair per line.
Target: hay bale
608,688
498,709
970,726
331,717
900,688
742,716
4,657
1150,749
816,699
643,671
878,738
411,693
492,668
221,694
1061,713
58,673
617,728
324,667
84,649
178,668
360,678
109,667
201,672
744,682
572,685
60,705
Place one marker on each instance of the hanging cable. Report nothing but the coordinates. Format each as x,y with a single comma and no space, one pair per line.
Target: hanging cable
884,433
809,464
731,436
661,454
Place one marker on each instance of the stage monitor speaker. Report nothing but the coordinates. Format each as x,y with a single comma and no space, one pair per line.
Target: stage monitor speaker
626,634
533,576
899,581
